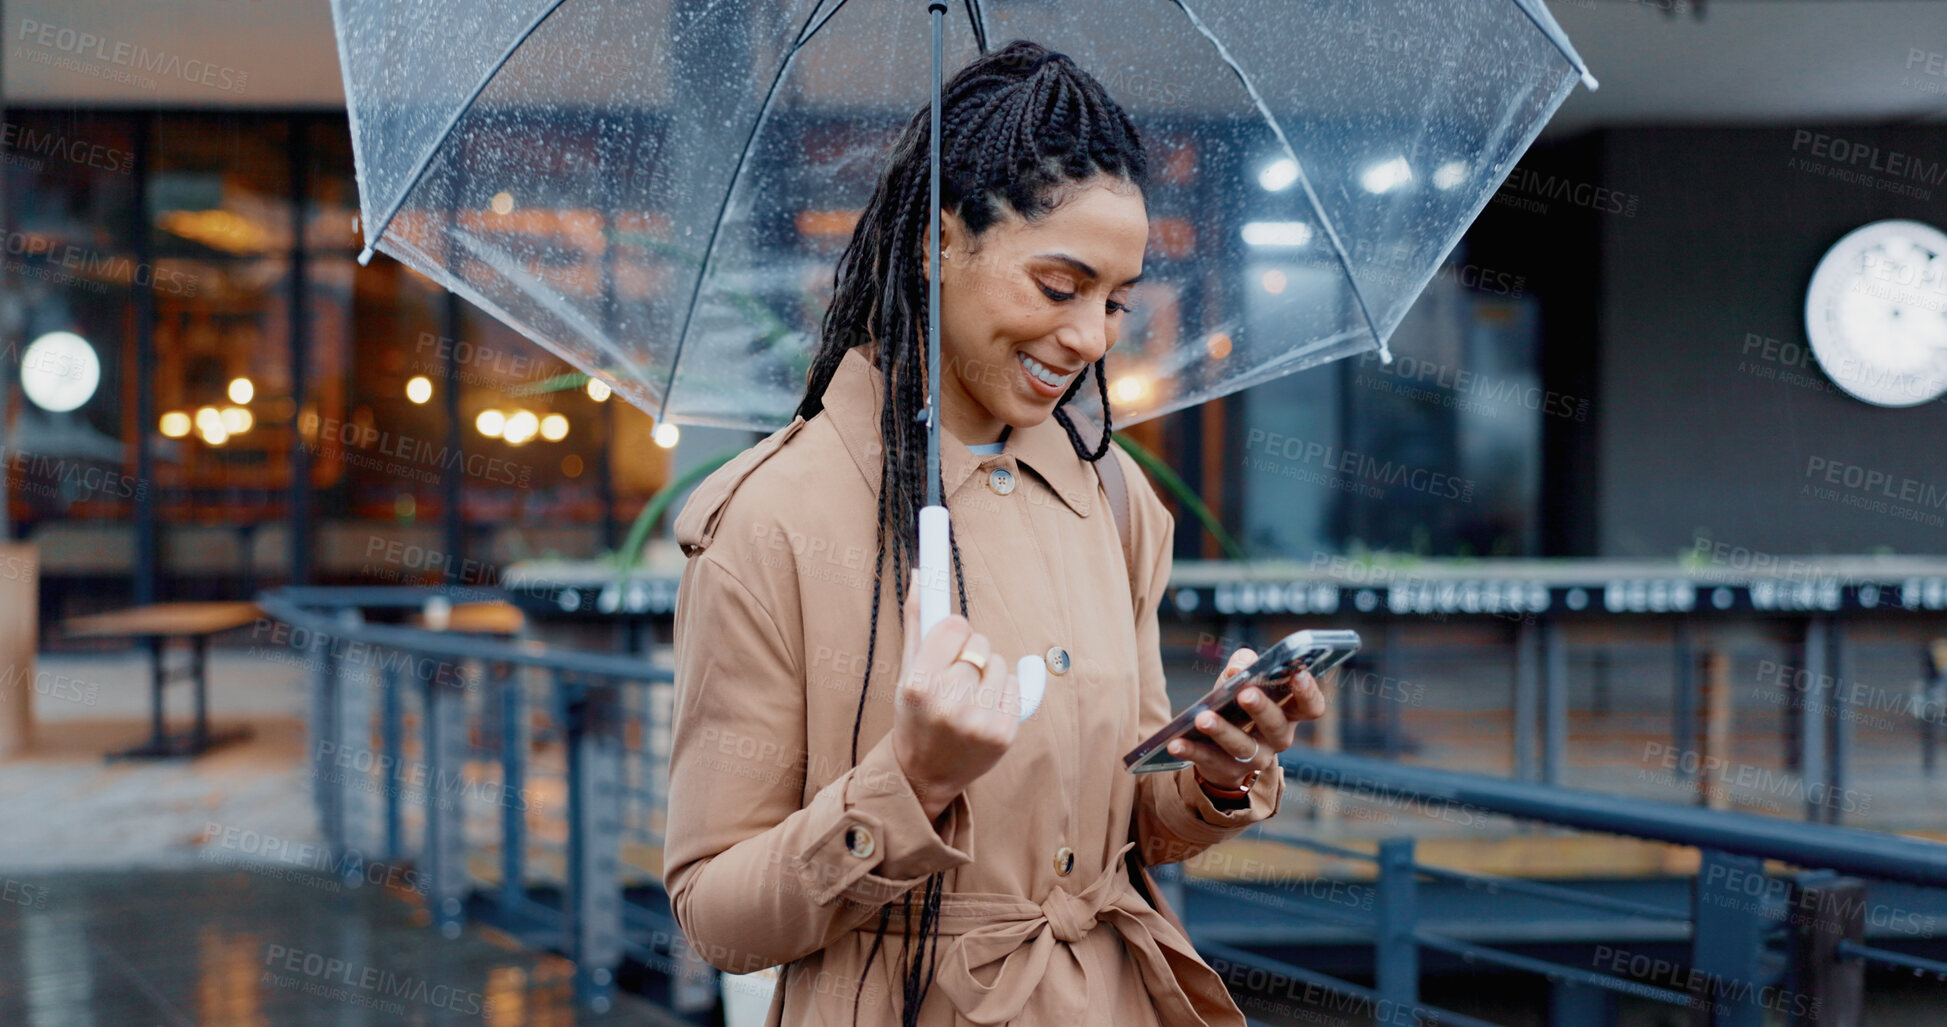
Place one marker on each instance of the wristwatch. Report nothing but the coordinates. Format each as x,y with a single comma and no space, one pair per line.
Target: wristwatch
1227,798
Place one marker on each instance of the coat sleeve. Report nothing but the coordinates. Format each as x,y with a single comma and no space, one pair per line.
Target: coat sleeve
756,875
1175,819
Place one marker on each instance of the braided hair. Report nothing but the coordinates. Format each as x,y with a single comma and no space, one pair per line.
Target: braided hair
1017,128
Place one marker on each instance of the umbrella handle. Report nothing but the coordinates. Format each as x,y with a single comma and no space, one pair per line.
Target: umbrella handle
934,563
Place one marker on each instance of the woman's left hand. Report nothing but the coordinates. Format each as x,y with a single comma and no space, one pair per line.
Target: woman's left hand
1234,753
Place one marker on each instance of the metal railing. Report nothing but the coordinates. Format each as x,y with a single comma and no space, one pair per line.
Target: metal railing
514,776
527,785
1738,909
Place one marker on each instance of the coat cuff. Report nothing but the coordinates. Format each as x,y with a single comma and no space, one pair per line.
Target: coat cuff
1196,819
880,844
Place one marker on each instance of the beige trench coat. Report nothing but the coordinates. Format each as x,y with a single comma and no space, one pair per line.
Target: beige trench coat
780,851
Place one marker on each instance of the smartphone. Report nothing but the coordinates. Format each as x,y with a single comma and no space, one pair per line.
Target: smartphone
1274,671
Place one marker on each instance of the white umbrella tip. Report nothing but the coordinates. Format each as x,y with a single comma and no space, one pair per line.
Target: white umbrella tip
365,256
1588,79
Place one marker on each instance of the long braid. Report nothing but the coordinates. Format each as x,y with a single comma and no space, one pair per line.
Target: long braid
1016,124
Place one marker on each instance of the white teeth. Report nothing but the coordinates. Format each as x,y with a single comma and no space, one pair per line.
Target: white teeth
1041,372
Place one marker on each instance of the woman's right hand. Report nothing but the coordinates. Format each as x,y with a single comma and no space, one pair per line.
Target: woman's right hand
951,723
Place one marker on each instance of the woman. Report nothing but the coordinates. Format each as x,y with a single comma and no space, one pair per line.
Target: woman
886,825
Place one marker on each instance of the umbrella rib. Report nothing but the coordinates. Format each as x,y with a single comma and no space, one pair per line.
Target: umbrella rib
1547,26
977,18
1277,129
805,33
716,223
426,159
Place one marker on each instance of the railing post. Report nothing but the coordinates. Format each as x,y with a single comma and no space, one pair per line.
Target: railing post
446,752
1554,676
392,738
593,717
1527,697
1683,713
327,736
1396,955
1843,688
1727,939
1827,988
513,781
1811,717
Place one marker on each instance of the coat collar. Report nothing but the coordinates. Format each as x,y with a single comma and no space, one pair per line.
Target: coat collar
852,403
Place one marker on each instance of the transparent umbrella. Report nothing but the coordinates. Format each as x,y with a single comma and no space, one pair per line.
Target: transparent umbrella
657,190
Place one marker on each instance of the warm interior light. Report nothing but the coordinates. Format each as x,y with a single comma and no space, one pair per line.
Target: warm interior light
598,390
241,390
1386,175
1273,281
236,420
419,388
175,424
490,423
1450,174
1128,388
503,203
208,418
1288,234
217,229
215,435
521,427
554,427
1278,175
1218,345
666,435
571,466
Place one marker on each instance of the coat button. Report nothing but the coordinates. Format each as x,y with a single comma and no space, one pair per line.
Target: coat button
1064,860
1001,480
859,841
1057,659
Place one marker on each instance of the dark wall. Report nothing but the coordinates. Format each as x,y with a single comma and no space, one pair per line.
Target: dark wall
1703,427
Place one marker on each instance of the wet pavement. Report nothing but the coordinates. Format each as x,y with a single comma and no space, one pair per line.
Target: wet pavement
263,948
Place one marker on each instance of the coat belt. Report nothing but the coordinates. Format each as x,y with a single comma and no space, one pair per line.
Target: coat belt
1022,936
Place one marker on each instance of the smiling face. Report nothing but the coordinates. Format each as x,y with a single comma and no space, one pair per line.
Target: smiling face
1026,307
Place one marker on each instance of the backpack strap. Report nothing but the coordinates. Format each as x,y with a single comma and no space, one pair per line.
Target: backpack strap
1116,485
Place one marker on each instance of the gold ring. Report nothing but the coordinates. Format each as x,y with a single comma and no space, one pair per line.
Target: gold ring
979,662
